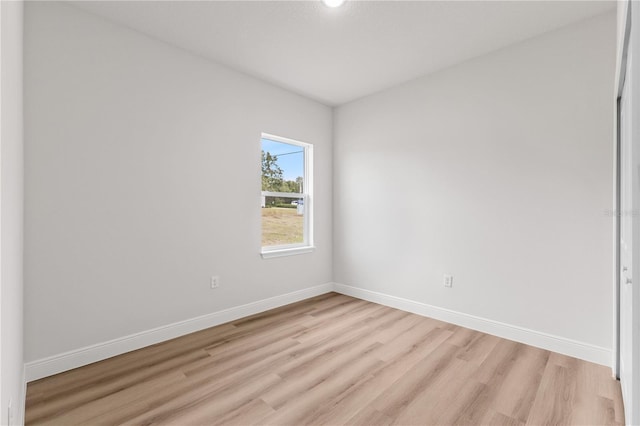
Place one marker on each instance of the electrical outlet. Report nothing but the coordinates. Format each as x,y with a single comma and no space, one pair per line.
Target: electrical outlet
215,282
448,280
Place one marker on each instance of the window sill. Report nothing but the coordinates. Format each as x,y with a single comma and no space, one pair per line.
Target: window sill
268,254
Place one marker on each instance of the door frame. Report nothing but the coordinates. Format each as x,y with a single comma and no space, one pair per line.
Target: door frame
631,43
622,70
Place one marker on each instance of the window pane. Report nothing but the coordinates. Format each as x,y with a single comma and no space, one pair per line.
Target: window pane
282,221
282,167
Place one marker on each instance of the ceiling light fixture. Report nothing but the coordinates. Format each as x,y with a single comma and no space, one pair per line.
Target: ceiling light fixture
333,3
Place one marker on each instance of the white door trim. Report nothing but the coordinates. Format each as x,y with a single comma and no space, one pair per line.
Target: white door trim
626,347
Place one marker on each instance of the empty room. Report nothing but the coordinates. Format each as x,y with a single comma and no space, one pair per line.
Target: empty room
319,212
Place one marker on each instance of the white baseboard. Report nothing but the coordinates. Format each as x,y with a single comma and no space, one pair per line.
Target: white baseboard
45,367
585,351
38,369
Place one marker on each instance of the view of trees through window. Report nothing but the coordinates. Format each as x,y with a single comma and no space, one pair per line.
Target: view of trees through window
283,193
272,175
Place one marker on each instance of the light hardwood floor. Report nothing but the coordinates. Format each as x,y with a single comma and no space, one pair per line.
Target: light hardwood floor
331,360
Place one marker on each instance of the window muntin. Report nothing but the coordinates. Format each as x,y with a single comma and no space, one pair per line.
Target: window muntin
286,195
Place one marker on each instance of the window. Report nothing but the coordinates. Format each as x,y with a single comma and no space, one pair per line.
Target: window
287,203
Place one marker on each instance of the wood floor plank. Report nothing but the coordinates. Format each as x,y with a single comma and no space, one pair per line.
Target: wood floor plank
496,418
443,399
370,417
553,403
330,328
368,387
87,412
349,403
296,410
479,348
192,406
517,393
331,360
486,381
62,402
307,372
394,400
246,414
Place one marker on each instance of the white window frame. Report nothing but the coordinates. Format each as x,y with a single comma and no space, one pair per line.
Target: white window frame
307,196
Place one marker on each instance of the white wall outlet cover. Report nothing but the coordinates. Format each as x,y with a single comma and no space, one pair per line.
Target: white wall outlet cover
215,282
448,280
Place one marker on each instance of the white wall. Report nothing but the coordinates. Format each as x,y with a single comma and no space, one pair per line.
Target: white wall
11,211
621,29
498,171
143,180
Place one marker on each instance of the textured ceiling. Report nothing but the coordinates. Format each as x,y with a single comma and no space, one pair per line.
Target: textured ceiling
338,55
